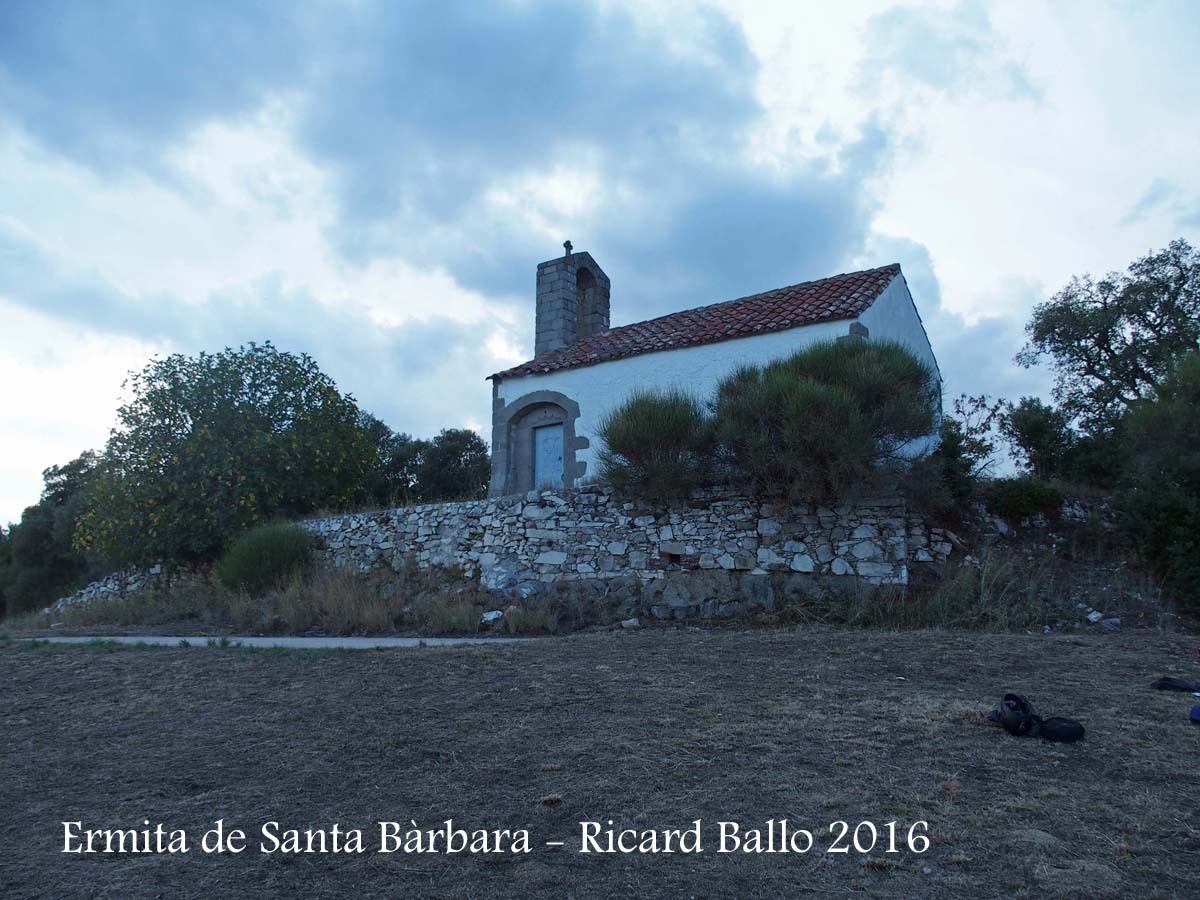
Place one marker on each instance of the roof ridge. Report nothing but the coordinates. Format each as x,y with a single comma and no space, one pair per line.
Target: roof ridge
576,355
696,309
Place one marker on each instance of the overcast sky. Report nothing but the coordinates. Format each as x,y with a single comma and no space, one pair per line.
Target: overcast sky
374,182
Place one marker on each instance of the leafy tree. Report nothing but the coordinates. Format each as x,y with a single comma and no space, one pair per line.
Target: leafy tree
38,562
943,484
62,484
209,446
393,475
656,444
973,433
1040,435
5,568
824,420
455,466
1112,342
1160,499
1099,460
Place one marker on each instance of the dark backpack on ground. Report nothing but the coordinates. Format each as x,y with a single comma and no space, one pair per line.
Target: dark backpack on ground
1018,716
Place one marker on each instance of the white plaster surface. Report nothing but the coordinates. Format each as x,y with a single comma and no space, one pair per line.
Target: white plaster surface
599,388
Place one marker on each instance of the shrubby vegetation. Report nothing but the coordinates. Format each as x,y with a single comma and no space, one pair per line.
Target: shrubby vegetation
38,559
455,465
943,484
266,557
1020,498
1159,498
815,425
824,421
655,444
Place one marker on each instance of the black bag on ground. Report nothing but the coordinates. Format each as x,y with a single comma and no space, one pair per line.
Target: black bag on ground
1176,684
1063,731
1018,716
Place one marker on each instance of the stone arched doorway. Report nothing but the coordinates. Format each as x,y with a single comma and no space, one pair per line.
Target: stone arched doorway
534,444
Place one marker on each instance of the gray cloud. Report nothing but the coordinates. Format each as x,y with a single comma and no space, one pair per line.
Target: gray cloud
418,109
730,232
1163,197
421,376
439,99
108,83
975,358
947,51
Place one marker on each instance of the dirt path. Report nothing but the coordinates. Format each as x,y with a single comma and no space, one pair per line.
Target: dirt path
652,730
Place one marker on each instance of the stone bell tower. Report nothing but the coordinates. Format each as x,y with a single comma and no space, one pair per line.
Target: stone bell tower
572,301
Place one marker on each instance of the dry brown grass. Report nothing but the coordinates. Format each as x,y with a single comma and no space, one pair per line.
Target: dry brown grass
1004,589
1007,588
540,619
337,602
447,614
650,729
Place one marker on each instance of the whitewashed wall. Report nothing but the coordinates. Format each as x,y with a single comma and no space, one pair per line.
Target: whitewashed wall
599,388
893,316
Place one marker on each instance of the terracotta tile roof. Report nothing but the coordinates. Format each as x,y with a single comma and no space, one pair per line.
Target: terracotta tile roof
838,297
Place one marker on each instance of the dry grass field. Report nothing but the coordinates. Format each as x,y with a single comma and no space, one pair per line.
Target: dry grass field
651,729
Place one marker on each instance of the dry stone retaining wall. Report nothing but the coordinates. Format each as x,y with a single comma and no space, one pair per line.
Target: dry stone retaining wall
115,586
715,554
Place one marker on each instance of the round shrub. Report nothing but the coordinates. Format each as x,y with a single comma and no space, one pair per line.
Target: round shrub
821,422
655,445
265,558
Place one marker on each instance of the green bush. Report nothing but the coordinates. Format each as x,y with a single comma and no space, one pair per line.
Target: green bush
1159,500
1020,498
822,422
1040,436
655,445
265,558
38,563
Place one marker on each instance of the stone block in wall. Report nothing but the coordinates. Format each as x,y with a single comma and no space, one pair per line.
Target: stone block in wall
802,562
875,569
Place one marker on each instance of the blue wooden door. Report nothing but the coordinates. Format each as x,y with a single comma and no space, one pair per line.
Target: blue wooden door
548,456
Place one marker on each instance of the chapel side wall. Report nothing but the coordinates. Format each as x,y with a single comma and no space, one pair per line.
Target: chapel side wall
598,388
894,316
693,558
